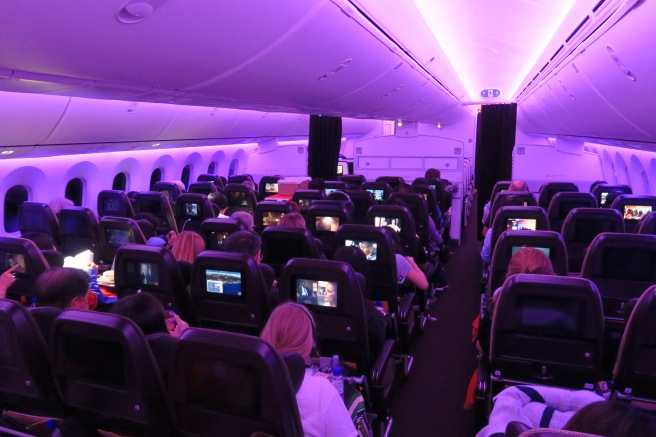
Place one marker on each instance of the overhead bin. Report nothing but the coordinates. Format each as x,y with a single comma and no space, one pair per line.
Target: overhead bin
308,56
606,91
27,119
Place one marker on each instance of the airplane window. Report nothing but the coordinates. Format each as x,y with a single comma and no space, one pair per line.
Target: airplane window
233,167
74,189
155,177
120,182
645,183
211,168
13,199
186,172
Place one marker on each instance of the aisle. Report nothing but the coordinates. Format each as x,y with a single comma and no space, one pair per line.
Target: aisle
430,402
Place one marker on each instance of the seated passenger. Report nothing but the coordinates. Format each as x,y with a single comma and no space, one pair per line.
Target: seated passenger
250,243
59,203
148,313
221,202
526,260
406,268
487,209
245,219
296,220
186,246
6,279
47,247
160,327
291,329
433,271
316,183
433,173
434,236
64,287
42,240
538,406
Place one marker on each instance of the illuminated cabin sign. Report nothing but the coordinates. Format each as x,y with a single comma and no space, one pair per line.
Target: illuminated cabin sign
490,93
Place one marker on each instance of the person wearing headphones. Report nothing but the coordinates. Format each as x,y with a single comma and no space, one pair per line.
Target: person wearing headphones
323,414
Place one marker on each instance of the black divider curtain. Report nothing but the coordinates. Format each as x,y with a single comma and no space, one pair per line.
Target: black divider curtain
323,146
495,139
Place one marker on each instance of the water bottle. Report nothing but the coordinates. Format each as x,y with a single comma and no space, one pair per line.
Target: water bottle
336,377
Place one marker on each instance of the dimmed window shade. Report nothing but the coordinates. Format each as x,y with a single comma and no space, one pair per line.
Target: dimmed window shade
494,145
323,146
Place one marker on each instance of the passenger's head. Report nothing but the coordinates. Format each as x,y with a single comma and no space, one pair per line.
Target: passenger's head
290,328
41,240
432,173
148,223
244,218
518,185
187,245
613,418
244,242
143,309
316,183
292,220
59,203
403,188
530,260
62,287
610,197
220,200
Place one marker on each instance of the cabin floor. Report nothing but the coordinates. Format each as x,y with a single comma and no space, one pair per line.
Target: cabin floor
430,402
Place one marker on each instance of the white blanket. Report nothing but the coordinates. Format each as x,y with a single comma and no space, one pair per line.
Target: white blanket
536,406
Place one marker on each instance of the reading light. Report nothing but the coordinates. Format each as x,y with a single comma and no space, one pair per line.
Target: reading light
156,145
439,125
6,152
399,123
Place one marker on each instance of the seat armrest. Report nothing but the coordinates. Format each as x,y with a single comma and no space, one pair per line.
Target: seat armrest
483,378
405,306
485,273
378,370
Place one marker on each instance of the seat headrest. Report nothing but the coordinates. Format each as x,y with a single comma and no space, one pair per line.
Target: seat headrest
295,367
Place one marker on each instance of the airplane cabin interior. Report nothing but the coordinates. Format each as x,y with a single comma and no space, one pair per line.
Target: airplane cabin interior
383,166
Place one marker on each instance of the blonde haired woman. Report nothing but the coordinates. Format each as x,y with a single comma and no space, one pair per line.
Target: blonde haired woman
529,260
323,414
187,245
292,220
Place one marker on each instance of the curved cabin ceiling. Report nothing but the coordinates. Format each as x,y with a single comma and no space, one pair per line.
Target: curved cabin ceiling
384,59
414,60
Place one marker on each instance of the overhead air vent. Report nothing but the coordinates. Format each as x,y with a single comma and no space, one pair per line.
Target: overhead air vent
300,150
521,150
457,150
358,150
